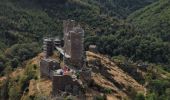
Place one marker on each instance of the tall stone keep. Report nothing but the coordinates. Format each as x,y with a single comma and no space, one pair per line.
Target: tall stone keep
48,46
74,42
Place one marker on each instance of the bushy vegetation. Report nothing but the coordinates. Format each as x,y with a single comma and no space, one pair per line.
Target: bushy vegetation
136,47
154,20
21,52
119,8
21,32
28,21
14,87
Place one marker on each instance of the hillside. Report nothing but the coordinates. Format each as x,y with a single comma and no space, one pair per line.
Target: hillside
119,8
108,77
154,19
26,22
153,22
140,41
113,81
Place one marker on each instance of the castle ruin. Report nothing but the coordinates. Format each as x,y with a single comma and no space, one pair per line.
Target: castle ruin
71,76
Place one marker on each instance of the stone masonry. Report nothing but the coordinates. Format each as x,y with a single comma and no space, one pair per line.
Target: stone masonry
66,78
74,42
47,66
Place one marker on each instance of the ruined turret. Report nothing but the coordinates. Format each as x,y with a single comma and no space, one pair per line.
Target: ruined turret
48,47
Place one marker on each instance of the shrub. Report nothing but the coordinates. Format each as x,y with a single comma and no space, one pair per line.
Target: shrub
139,96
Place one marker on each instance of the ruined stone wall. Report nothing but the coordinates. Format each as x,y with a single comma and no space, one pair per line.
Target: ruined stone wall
47,67
67,44
68,25
65,83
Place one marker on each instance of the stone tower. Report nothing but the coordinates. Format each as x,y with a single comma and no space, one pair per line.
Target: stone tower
48,47
74,42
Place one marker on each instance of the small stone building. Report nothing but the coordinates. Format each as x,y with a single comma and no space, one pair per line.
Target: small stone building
47,66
